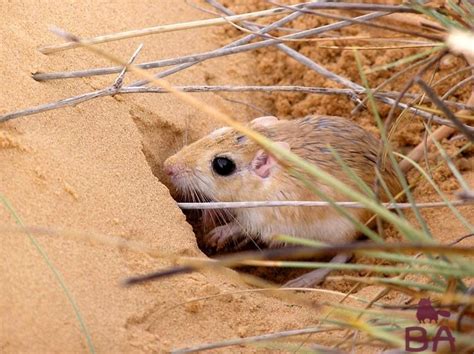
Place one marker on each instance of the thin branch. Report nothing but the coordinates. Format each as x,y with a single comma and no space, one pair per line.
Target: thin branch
389,80
439,103
428,116
249,88
119,80
454,73
109,91
300,203
342,80
442,132
457,86
253,339
410,83
215,13
467,195
241,41
218,21
462,238
249,105
371,24
71,101
162,29
302,58
205,55
411,67
245,27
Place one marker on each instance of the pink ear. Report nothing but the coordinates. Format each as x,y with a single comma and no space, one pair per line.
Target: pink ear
263,121
263,162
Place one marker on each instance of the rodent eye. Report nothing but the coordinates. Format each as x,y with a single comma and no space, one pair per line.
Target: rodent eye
223,166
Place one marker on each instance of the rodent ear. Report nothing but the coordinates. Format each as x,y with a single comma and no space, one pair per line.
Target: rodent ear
263,121
263,162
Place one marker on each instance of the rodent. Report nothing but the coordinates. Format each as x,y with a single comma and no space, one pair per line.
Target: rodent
227,166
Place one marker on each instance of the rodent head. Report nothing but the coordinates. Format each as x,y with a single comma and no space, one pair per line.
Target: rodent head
224,165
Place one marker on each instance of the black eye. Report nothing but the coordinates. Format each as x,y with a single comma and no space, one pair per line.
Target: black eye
223,166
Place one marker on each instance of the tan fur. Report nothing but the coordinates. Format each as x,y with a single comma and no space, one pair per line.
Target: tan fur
308,137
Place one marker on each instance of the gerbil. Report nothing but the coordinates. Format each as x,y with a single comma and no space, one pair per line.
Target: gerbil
227,166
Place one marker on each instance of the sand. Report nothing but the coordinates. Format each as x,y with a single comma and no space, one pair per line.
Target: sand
79,174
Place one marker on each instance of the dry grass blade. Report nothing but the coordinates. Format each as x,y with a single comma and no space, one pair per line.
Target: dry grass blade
297,253
263,337
206,55
434,37
217,21
161,29
113,90
438,102
118,83
313,204
334,77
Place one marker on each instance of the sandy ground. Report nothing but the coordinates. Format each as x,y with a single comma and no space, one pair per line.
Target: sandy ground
82,172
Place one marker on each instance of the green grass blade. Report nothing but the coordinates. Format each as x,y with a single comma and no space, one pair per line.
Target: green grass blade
405,60
454,210
450,272
388,147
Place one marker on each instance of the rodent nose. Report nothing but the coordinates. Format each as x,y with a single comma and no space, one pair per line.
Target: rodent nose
172,169
169,170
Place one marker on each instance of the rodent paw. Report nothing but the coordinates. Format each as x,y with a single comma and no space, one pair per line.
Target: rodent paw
221,235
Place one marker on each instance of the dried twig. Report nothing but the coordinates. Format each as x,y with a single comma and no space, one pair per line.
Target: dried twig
454,73
296,55
119,80
218,21
411,67
441,132
391,79
300,203
260,338
457,87
438,102
311,64
249,105
299,57
205,55
215,13
204,88
108,91
467,195
371,24
241,41
337,78
162,29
